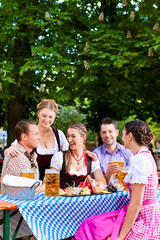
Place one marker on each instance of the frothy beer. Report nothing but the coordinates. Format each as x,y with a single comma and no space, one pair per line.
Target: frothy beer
120,164
28,173
121,175
51,183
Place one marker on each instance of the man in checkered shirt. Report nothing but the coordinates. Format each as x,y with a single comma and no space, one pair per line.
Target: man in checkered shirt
27,135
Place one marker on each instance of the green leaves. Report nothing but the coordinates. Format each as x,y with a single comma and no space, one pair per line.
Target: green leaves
49,42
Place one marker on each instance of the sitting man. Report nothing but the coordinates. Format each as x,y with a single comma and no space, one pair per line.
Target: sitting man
27,135
111,150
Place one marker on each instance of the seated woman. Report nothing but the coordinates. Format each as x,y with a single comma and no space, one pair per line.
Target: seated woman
74,165
140,219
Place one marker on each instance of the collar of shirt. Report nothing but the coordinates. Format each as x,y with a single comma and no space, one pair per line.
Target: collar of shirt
104,149
30,156
21,148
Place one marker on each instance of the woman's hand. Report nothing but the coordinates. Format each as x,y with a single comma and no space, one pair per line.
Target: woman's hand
92,155
89,180
119,238
40,188
11,151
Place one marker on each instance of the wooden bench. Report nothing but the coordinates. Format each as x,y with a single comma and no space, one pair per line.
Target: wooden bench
6,207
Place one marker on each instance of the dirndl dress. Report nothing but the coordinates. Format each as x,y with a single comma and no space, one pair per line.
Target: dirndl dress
147,225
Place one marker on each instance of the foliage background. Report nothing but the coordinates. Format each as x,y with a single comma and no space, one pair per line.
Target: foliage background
101,57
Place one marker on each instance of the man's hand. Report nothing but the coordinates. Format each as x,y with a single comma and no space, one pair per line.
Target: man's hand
112,167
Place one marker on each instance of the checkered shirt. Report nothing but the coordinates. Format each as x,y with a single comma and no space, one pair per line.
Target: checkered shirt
14,165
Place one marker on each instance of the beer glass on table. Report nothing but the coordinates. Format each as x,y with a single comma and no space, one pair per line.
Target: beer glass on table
27,172
51,183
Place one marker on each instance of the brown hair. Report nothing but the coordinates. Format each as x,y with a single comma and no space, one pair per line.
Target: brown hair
47,103
83,132
22,127
105,121
140,130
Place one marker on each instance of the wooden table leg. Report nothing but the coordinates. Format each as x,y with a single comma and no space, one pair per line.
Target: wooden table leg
6,224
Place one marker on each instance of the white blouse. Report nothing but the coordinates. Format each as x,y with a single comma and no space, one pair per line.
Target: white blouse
140,168
63,145
57,161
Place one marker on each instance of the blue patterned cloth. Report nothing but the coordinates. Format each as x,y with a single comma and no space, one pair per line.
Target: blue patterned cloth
54,218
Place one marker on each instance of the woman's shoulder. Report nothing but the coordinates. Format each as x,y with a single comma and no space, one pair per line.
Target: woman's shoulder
60,132
58,155
141,163
56,160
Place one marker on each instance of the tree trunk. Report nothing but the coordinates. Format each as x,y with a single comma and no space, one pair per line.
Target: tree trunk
18,109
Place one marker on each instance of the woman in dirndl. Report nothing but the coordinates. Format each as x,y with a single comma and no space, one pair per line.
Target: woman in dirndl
140,219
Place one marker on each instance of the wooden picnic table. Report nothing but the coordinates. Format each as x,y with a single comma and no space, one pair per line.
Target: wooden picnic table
6,207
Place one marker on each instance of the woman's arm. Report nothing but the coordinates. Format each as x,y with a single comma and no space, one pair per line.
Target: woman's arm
56,161
12,150
133,209
98,175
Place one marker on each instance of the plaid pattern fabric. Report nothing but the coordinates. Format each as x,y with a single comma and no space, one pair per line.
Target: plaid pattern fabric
148,226
15,164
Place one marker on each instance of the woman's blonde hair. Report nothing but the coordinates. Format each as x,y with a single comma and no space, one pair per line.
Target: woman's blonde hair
83,132
47,103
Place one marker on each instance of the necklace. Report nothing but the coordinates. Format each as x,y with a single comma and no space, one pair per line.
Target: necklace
77,160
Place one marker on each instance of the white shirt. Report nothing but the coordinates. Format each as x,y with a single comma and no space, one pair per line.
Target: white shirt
63,145
57,161
140,168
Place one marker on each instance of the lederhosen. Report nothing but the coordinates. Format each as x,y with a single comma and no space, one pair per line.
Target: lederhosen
66,178
44,160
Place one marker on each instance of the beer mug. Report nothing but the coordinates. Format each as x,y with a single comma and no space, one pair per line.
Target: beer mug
120,162
27,172
123,171
51,183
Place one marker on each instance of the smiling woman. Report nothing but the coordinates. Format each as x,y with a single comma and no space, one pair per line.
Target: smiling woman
75,165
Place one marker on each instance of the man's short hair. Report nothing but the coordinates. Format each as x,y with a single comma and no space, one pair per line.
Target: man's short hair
108,121
22,127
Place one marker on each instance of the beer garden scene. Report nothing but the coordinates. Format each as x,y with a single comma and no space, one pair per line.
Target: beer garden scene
79,120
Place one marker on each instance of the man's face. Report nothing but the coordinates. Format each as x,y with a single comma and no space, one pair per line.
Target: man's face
108,134
33,136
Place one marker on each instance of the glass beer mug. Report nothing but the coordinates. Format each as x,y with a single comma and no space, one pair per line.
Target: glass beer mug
27,172
123,171
51,183
120,162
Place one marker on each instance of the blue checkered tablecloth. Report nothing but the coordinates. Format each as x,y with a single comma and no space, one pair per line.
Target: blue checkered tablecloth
54,218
